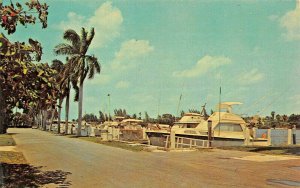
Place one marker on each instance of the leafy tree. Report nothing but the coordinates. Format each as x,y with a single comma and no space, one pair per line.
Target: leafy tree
146,117
182,113
134,116
90,118
278,118
12,14
194,111
23,84
82,64
101,117
285,118
273,115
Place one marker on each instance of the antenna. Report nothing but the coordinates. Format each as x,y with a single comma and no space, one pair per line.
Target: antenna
108,107
178,106
220,103
159,99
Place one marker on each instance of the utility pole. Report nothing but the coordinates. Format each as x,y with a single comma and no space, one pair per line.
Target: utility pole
108,107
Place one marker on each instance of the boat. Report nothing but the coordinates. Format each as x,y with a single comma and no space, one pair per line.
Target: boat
188,121
228,128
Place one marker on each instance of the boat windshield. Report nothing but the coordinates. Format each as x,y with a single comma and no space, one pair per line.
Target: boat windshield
186,125
229,127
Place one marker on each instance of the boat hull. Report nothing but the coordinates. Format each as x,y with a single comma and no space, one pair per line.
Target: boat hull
159,139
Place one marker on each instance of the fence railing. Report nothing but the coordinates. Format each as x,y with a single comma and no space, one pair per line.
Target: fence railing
183,142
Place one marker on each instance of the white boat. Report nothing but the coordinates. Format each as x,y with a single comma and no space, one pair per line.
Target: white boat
228,129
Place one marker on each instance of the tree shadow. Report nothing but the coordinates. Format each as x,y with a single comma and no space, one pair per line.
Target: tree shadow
25,175
284,150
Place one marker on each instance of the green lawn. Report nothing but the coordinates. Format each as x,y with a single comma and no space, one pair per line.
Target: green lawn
273,150
122,145
6,140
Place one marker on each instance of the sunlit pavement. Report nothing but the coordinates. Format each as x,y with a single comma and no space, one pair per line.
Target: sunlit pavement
95,165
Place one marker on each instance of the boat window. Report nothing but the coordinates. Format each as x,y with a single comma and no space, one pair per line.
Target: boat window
186,125
229,127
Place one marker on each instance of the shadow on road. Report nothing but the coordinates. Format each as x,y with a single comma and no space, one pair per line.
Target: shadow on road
25,175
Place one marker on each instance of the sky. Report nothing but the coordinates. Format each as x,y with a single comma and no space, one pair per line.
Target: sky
154,51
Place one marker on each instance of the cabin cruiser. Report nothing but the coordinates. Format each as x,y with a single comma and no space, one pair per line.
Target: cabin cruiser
228,129
158,137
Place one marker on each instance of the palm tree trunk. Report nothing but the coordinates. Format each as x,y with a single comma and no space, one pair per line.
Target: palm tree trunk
52,117
67,112
44,119
80,108
59,113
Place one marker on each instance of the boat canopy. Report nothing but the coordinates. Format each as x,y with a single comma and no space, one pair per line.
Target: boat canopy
132,121
227,106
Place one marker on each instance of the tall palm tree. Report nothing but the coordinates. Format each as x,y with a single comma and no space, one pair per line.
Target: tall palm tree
65,84
82,64
59,67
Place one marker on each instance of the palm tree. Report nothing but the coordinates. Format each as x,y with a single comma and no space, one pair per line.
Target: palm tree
59,67
81,63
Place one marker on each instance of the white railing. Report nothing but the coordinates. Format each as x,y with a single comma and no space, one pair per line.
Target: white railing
183,142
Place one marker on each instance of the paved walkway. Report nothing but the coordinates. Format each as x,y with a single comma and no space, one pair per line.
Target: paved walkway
96,165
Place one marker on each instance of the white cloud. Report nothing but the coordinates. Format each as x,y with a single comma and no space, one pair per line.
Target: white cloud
251,77
204,65
131,51
291,22
122,84
106,20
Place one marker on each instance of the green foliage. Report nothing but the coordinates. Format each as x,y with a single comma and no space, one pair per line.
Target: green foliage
194,111
12,14
23,84
147,118
90,118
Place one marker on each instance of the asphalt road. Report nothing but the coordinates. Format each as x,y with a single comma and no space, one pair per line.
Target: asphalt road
96,165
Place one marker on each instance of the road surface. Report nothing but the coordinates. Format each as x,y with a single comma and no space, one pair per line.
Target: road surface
96,165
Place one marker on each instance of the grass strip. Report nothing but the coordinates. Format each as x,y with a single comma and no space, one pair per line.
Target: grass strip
135,148
6,140
273,150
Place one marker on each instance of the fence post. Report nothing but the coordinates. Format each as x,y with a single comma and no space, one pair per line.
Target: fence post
269,137
290,137
172,139
209,125
247,136
294,134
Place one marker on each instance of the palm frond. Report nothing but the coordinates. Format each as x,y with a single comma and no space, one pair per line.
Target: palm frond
71,36
85,73
64,49
76,88
83,41
94,65
90,37
57,65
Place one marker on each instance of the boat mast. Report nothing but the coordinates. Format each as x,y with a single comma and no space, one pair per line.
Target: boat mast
178,106
220,109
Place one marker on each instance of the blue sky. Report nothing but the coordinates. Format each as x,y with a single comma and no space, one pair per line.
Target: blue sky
153,51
